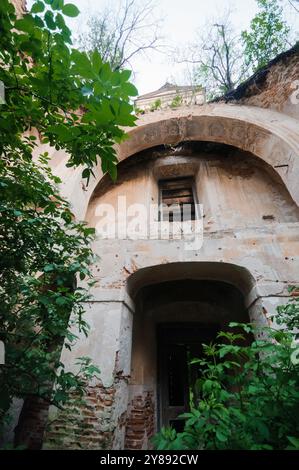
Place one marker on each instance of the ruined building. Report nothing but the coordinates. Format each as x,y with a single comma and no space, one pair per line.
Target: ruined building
154,299
170,96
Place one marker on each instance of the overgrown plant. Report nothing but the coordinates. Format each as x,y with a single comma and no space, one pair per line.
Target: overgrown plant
58,95
156,105
176,102
248,394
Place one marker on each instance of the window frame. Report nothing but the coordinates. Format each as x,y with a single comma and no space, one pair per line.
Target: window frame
194,195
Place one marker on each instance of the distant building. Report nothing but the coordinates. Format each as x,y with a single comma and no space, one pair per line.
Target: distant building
171,96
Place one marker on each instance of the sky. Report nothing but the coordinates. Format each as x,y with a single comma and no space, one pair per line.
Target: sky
181,19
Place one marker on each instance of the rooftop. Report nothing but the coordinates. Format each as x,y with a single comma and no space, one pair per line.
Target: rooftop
167,87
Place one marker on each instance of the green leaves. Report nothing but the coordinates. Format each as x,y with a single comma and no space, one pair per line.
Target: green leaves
82,65
112,170
42,253
49,268
125,75
57,4
96,61
267,36
26,24
86,174
249,402
221,436
49,19
63,132
70,10
130,89
74,102
295,443
63,80
38,7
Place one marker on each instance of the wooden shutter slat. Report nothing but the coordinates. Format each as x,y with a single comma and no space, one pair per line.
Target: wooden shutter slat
177,192
176,184
178,200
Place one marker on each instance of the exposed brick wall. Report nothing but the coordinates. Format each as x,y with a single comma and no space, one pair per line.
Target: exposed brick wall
140,422
84,425
275,90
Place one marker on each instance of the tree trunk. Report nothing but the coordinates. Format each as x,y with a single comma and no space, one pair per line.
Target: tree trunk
30,429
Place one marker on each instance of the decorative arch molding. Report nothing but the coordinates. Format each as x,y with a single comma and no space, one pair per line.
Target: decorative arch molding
271,136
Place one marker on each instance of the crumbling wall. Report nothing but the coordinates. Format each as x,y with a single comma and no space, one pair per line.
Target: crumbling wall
140,423
84,424
235,189
276,86
98,420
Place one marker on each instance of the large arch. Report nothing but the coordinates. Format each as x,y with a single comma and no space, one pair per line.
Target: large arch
271,136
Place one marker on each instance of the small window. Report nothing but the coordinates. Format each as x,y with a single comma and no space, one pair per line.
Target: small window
174,194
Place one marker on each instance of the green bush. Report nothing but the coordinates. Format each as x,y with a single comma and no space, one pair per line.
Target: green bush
156,105
176,102
248,395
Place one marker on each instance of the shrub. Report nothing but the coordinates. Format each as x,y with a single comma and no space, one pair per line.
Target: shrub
156,105
248,395
176,102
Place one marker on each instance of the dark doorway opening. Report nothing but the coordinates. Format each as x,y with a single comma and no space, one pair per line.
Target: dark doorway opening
177,345
172,320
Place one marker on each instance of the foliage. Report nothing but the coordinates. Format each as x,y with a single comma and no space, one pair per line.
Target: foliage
121,32
75,102
267,36
43,251
289,313
248,395
176,102
156,105
138,111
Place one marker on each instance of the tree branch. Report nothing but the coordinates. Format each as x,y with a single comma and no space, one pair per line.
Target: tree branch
291,3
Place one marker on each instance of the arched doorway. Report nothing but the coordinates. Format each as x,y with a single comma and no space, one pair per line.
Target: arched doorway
175,315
